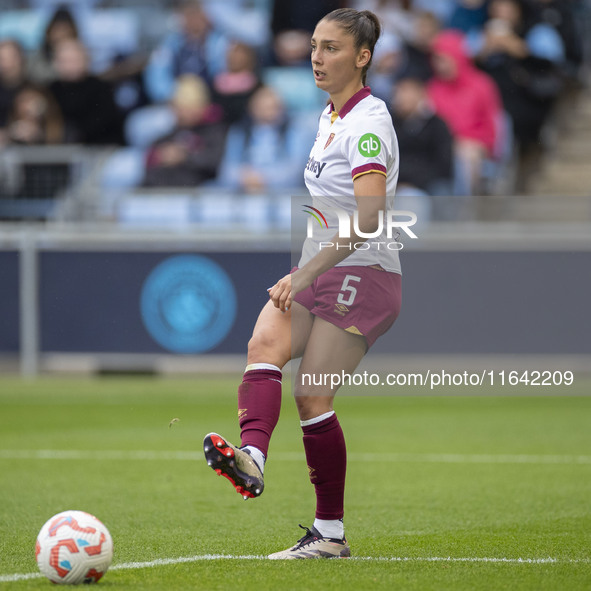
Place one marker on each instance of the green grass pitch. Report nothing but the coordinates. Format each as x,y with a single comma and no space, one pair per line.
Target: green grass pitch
443,492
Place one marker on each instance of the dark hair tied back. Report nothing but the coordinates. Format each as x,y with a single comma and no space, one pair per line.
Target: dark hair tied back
362,25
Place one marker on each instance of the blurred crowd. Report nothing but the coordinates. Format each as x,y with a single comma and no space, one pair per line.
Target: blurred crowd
222,94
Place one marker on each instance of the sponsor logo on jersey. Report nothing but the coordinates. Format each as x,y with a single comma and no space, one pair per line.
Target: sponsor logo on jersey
369,145
315,167
329,140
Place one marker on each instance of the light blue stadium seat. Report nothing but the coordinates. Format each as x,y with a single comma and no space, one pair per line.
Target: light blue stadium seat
442,9
144,126
496,173
25,26
109,33
296,87
125,169
417,201
496,169
52,5
106,33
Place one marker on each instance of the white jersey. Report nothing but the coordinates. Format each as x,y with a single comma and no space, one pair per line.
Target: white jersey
359,140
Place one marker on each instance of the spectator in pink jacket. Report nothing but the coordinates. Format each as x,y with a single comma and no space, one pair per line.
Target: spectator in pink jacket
469,102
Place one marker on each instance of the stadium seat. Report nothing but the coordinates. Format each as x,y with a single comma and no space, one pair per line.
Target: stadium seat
216,209
52,5
109,33
496,171
296,87
154,209
144,126
124,169
442,9
25,26
417,201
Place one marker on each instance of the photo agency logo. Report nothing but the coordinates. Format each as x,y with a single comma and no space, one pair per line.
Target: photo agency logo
390,226
315,214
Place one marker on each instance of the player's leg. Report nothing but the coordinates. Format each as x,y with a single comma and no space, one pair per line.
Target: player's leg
277,338
330,350
259,398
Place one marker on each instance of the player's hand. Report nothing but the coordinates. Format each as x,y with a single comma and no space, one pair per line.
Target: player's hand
282,292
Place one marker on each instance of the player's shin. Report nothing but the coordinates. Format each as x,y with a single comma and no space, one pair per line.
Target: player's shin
259,404
326,455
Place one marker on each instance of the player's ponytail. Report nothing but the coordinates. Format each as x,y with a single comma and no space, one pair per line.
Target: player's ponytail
362,25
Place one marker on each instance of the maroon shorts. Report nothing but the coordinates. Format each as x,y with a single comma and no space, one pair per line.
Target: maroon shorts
360,300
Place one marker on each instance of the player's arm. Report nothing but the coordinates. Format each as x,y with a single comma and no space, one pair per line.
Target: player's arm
370,195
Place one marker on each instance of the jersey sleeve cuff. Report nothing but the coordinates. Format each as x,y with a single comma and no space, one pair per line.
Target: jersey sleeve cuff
367,168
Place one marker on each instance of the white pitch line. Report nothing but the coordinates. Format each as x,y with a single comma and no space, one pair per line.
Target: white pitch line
187,559
19,577
104,454
153,455
472,458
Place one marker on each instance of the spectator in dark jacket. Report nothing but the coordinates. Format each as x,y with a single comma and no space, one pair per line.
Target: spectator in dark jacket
417,49
191,153
561,15
87,105
292,24
61,25
525,63
426,144
233,88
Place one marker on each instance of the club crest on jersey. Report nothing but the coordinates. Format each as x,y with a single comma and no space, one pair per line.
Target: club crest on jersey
315,167
329,140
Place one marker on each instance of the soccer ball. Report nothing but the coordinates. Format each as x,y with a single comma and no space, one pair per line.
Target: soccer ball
74,547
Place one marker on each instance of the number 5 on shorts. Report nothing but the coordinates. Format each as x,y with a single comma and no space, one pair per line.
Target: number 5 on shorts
351,291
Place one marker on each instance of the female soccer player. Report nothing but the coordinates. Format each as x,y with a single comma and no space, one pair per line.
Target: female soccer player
344,293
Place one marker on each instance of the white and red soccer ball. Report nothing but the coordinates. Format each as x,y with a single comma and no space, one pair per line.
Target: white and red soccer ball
74,547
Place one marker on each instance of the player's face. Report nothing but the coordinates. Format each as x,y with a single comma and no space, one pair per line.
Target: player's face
335,61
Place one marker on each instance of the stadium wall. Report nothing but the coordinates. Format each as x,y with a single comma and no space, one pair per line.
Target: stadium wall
467,290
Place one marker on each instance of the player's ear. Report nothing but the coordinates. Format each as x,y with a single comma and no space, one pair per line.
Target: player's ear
363,57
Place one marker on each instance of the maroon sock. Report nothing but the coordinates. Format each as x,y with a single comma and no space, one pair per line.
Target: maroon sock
326,454
259,403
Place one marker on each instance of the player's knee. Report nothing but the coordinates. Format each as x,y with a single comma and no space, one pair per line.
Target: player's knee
265,347
311,406
303,391
259,344
308,387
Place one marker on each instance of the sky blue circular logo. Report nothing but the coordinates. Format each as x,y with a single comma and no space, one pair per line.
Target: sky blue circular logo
188,304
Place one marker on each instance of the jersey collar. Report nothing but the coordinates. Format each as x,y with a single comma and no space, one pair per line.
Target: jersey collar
356,98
